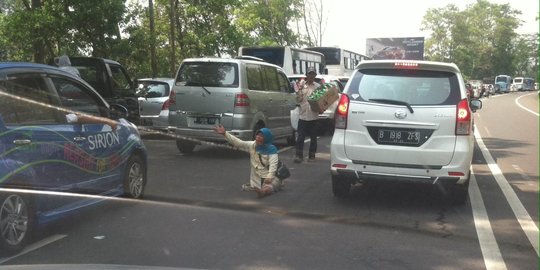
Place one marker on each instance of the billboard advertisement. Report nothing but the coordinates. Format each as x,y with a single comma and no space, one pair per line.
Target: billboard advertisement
411,48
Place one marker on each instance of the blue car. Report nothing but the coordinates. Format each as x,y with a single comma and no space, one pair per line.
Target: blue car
62,147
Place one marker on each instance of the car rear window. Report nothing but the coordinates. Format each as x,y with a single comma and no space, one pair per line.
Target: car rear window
212,74
153,89
416,87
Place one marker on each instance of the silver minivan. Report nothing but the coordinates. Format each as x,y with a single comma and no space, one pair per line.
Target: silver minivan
243,95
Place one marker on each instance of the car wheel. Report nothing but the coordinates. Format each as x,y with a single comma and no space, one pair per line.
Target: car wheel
257,127
134,178
291,140
331,128
460,193
185,147
340,186
16,221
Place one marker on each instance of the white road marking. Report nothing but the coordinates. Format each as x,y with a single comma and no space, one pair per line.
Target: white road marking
527,224
521,172
35,246
523,107
488,244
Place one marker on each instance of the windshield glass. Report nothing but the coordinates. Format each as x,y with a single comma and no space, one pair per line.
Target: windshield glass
416,87
270,55
212,74
332,55
151,89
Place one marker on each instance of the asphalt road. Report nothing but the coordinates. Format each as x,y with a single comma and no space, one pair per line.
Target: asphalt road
195,214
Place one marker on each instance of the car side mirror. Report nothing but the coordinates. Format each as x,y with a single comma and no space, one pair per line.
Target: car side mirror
475,104
118,111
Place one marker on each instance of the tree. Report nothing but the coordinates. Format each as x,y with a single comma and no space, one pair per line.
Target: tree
152,38
526,55
267,22
314,22
48,28
478,39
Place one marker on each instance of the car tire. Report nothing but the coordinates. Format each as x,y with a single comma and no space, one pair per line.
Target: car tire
459,194
185,147
341,186
331,128
16,215
256,128
134,178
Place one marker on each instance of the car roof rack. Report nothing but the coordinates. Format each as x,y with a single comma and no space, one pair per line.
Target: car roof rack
247,57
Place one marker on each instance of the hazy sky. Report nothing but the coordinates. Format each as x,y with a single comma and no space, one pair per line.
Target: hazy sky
350,22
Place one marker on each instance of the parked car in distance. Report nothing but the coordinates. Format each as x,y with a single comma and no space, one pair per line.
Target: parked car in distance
60,150
326,119
243,95
401,120
343,80
154,96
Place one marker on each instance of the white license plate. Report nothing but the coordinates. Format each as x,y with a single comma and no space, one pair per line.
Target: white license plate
398,136
203,121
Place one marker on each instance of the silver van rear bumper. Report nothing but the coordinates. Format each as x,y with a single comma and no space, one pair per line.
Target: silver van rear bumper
209,134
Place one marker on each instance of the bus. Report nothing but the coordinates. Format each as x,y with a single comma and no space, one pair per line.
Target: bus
523,84
292,60
339,62
503,83
528,84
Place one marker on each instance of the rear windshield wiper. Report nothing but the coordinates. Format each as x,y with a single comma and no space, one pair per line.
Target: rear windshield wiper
192,83
394,102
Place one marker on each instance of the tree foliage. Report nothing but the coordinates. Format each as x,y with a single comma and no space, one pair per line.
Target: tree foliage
480,39
121,30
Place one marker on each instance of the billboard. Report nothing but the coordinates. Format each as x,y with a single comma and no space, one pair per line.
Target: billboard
411,48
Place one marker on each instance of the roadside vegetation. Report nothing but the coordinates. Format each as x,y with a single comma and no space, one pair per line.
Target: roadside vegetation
151,37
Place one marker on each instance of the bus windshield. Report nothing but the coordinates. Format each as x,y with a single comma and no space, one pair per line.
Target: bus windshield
270,55
331,55
501,79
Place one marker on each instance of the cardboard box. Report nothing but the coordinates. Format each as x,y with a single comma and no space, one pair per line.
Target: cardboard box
325,101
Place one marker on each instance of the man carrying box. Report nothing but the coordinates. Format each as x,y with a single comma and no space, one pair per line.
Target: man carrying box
307,123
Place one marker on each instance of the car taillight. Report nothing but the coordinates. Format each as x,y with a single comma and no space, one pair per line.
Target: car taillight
166,105
463,118
172,99
406,65
241,100
342,111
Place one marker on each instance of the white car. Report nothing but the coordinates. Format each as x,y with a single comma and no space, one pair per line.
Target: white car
403,120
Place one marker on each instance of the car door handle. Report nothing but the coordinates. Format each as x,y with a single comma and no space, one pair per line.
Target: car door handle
79,139
22,142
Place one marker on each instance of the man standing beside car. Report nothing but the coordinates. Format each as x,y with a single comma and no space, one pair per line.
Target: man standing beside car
307,123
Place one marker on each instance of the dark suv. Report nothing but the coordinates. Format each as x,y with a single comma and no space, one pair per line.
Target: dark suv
111,81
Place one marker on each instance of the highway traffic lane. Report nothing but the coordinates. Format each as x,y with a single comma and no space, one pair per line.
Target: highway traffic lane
368,208
511,135
163,234
213,176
